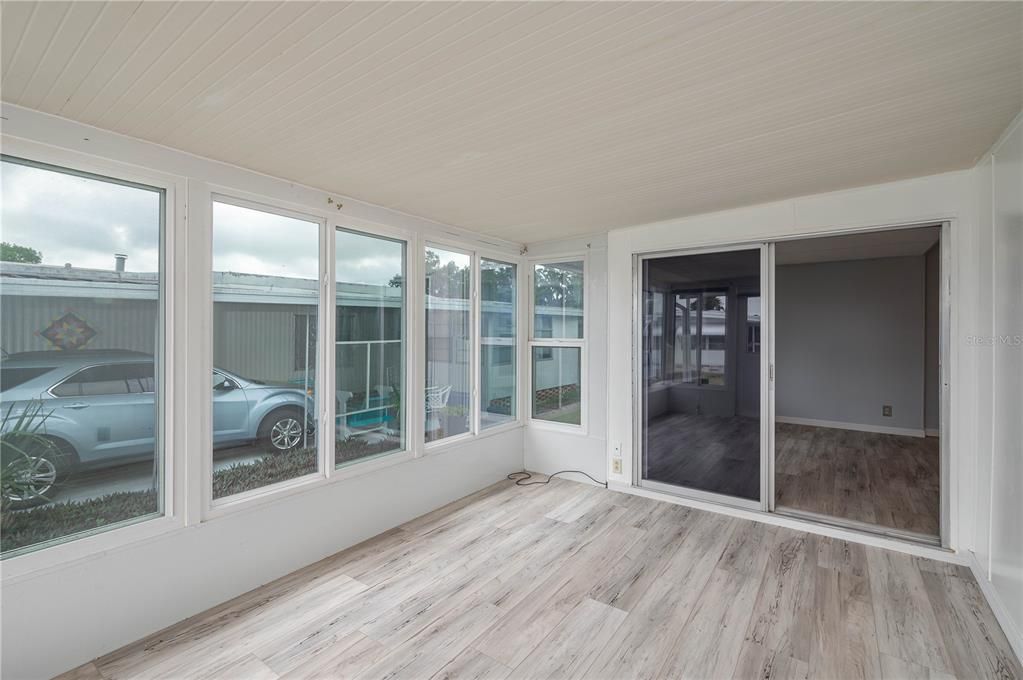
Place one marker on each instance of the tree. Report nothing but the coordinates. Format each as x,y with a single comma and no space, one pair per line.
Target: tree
11,252
558,286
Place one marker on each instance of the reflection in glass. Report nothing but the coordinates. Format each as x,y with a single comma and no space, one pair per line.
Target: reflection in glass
558,300
448,331
497,342
80,273
265,296
556,395
701,421
370,346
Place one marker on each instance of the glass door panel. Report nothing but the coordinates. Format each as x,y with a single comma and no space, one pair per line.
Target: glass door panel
700,429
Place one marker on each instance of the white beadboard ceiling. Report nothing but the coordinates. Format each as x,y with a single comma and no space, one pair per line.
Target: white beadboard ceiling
534,121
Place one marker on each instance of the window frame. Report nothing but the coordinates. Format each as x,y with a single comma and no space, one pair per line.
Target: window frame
409,350
730,329
440,244
475,432
213,505
171,343
516,347
580,343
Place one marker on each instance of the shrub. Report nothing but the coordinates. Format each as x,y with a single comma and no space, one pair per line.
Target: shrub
270,469
57,520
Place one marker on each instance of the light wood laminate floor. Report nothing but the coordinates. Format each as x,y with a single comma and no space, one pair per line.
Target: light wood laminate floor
888,480
575,581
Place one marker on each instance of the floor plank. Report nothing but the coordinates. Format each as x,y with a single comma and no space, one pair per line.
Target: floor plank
572,581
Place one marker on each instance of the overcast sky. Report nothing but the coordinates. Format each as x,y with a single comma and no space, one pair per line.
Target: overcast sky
84,222
78,220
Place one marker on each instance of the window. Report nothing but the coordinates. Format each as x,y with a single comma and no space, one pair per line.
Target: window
80,273
264,428
556,348
753,324
701,340
498,300
558,300
448,337
653,335
370,346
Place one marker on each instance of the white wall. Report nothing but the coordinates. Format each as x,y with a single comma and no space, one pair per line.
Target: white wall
849,338
998,347
549,447
67,604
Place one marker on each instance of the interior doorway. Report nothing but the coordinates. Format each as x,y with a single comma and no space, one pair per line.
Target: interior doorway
858,380
803,377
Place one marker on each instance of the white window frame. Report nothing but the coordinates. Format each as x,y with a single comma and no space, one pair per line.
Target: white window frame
408,451
580,343
324,445
172,364
518,344
473,344
475,431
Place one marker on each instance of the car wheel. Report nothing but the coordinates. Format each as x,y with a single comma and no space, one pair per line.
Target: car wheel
31,477
282,430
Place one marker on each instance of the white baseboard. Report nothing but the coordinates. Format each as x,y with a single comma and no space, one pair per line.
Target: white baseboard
836,425
994,600
932,433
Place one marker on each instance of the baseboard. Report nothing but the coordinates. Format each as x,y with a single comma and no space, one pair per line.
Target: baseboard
857,427
994,600
932,433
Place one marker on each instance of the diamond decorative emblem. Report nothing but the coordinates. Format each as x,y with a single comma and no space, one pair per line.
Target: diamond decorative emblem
69,332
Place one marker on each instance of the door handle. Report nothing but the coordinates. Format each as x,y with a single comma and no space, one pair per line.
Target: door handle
77,405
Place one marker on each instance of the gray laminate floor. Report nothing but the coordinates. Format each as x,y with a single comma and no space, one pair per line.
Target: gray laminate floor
719,454
575,581
887,480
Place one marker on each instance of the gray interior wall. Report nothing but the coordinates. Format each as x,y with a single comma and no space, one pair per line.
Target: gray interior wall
932,373
849,339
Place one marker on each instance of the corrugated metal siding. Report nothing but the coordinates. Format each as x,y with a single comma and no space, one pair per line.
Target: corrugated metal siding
257,340
119,324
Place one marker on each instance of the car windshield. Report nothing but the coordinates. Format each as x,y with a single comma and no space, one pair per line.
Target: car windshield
12,377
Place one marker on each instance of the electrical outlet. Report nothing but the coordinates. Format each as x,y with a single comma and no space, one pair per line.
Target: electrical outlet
616,466
886,411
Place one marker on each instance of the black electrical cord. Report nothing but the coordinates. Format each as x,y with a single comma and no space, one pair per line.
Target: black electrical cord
520,478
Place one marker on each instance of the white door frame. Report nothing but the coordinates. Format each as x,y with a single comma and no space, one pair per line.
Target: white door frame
767,383
639,389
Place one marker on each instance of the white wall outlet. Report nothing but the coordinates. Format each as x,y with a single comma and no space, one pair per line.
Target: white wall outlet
616,466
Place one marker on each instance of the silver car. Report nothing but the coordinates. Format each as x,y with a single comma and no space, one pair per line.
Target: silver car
99,408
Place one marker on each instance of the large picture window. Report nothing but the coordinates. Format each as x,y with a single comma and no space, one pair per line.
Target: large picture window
370,346
80,377
498,365
448,396
265,297
557,342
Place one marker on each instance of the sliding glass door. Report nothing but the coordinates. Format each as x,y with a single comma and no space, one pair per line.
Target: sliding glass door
700,429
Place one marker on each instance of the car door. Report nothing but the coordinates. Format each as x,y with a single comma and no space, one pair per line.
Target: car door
100,414
230,410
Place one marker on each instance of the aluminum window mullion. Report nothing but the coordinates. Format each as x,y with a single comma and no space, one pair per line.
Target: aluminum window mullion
325,336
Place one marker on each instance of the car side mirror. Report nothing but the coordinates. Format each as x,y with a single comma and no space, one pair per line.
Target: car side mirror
225,386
